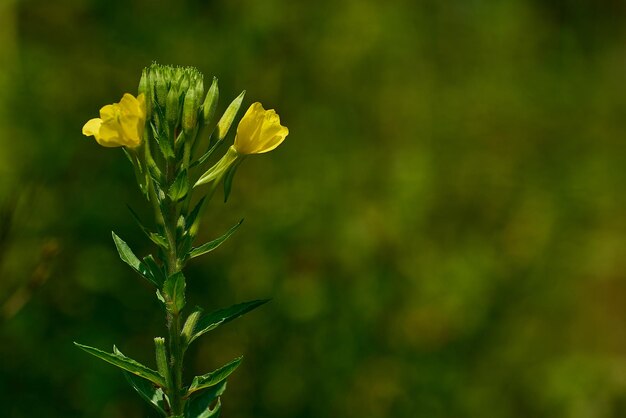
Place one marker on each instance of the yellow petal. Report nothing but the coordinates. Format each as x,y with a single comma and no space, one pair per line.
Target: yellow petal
251,121
120,124
92,127
259,131
109,135
109,112
129,105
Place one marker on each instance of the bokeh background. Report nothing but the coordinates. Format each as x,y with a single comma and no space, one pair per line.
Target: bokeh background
443,233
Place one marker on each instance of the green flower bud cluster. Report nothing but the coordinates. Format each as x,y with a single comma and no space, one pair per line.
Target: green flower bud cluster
175,93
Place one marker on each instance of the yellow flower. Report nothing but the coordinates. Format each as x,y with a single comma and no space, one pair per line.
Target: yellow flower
120,124
259,131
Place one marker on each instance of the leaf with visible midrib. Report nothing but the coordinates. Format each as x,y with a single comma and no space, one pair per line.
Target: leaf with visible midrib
125,363
211,321
127,256
215,377
211,245
199,406
174,292
147,391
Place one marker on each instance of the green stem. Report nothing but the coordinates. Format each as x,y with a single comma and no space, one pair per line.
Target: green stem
176,364
175,392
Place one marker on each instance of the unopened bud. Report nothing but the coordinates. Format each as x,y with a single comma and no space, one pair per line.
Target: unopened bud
161,89
145,89
172,107
190,111
210,102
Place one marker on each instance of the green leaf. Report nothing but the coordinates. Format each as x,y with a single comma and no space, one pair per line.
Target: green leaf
199,406
207,154
158,239
190,325
211,321
151,394
227,118
125,363
211,245
155,270
174,292
127,256
193,220
215,377
140,174
180,187
210,102
162,139
228,179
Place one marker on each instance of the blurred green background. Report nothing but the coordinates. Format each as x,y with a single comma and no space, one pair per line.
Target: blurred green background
443,233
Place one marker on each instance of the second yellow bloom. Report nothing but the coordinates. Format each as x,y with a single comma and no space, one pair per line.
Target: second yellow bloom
259,131
120,124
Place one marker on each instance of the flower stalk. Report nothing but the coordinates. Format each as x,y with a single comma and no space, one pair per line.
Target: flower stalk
161,130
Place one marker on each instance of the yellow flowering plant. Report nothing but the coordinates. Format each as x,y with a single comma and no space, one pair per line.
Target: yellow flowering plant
163,131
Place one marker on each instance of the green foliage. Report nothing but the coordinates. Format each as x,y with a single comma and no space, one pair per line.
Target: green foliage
180,187
207,403
214,319
148,392
212,245
223,126
118,359
214,377
174,292
127,256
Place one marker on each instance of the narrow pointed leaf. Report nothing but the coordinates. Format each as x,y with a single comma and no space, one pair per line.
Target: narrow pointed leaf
199,406
151,394
190,325
127,256
125,363
207,154
174,292
215,377
180,187
211,321
210,102
228,179
158,239
211,245
155,270
193,220
162,139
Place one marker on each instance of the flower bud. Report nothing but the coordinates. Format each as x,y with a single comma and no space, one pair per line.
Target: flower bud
145,88
199,88
172,107
210,102
161,88
184,83
190,111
